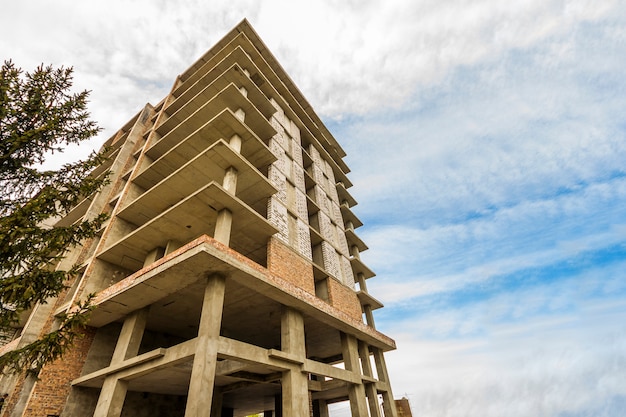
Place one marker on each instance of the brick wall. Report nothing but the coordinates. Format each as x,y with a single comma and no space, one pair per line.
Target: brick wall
51,391
404,410
288,265
345,299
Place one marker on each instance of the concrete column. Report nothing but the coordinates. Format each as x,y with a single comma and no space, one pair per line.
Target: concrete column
360,278
113,392
223,226
389,404
153,255
320,408
370,388
224,222
111,398
200,394
295,395
230,180
130,336
367,309
356,392
369,316
235,142
241,115
171,246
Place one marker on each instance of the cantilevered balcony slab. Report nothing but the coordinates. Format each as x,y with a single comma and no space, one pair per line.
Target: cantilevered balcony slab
358,267
344,195
349,216
214,67
192,217
210,165
75,214
214,81
195,113
354,240
222,126
366,299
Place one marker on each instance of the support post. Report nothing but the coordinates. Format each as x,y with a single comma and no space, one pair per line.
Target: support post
320,408
356,392
223,226
113,392
369,316
370,388
389,404
295,385
200,394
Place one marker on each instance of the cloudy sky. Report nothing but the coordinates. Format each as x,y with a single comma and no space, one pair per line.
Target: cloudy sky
487,145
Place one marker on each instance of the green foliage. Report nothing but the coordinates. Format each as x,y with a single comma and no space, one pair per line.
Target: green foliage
39,117
34,356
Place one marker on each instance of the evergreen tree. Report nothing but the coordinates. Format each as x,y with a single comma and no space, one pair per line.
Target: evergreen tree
39,116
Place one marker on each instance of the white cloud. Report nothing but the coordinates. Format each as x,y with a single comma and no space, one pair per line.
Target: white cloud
414,262
542,366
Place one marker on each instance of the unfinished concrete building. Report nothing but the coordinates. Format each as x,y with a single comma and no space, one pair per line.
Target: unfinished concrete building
228,277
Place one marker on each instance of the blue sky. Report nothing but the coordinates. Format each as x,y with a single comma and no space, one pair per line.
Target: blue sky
487,146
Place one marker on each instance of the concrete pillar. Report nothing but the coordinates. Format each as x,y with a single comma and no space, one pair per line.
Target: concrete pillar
367,309
171,246
111,398
389,404
356,392
153,255
320,408
200,394
360,278
241,115
295,387
230,180
369,316
113,392
223,226
370,388
130,336
224,222
235,142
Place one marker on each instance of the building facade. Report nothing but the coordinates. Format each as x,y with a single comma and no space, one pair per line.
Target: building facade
228,279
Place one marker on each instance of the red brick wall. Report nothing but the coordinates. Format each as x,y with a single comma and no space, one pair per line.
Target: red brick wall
345,299
51,391
404,410
288,265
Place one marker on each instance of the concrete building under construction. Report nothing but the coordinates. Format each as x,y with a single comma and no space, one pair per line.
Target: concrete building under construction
228,279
